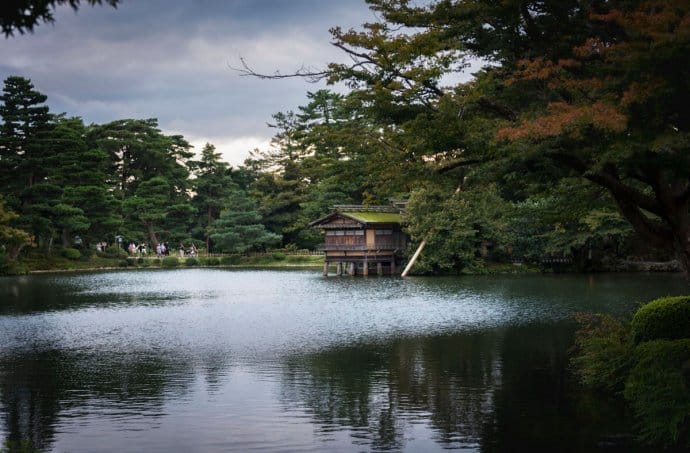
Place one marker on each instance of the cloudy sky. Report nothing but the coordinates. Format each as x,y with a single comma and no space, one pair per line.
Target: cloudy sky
172,59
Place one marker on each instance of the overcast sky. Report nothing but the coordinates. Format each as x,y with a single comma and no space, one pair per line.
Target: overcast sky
171,59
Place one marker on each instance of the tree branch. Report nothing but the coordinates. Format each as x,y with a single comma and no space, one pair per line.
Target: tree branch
304,72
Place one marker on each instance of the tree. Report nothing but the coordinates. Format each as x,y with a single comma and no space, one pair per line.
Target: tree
599,89
139,152
81,173
24,139
12,240
212,185
239,227
24,15
153,203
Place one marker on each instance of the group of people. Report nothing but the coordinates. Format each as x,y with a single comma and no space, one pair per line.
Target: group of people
162,249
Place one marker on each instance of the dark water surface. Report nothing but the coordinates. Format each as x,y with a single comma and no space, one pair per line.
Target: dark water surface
226,360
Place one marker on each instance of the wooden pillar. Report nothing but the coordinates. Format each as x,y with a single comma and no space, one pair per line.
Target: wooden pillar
393,271
365,268
338,268
325,268
352,269
379,268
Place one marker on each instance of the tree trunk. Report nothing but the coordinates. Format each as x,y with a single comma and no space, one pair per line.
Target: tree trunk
14,251
208,225
152,235
65,238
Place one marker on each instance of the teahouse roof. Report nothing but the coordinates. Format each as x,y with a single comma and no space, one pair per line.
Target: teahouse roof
364,215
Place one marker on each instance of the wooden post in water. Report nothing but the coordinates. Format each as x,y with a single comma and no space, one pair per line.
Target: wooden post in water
325,268
365,268
352,269
413,259
393,266
339,268
379,268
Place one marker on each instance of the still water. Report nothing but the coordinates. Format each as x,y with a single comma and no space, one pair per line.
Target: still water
226,360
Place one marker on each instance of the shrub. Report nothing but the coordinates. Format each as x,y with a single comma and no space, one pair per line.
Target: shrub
71,254
114,251
123,263
659,394
212,261
170,261
279,256
140,260
665,318
14,268
230,260
191,262
603,351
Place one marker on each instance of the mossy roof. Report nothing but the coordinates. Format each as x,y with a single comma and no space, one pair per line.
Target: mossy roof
374,217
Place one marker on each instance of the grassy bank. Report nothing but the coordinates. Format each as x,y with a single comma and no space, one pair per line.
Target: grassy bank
56,262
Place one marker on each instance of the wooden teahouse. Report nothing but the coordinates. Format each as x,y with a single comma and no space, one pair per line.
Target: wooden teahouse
358,238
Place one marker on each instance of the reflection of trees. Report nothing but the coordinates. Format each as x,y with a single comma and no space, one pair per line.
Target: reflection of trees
501,390
377,389
540,406
39,390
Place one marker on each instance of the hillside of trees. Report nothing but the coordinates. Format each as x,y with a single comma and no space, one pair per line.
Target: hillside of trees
571,142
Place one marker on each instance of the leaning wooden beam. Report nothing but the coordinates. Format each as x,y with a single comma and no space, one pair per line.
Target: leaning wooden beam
413,259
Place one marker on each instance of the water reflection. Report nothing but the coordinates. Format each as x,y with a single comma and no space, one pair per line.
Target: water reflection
503,390
231,361
53,389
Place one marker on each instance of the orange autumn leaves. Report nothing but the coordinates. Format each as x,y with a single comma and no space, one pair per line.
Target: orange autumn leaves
594,89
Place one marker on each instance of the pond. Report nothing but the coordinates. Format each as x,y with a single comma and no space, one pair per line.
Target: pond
257,360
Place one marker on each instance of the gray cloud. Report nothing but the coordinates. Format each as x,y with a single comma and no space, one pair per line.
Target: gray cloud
171,60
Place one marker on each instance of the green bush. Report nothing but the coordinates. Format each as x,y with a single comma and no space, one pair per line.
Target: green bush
278,256
603,351
230,260
123,263
13,269
170,261
658,389
191,262
140,260
666,318
113,251
212,261
71,254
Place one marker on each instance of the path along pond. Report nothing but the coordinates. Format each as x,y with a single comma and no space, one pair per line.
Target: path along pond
255,360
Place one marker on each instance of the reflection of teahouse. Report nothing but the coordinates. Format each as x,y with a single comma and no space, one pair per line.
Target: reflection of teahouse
357,237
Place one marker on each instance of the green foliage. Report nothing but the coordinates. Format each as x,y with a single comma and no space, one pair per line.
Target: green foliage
664,318
278,256
170,261
71,253
458,228
603,351
23,16
211,261
658,388
191,262
23,446
113,251
239,227
230,260
652,374
13,268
